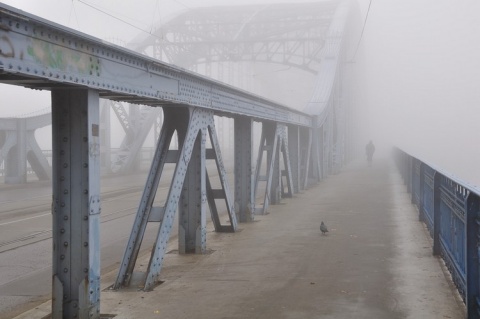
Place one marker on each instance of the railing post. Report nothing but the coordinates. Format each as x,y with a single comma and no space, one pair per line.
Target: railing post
472,255
436,213
408,174
421,194
405,158
412,179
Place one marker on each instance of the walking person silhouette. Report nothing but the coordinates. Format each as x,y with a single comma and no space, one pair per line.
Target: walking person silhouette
369,150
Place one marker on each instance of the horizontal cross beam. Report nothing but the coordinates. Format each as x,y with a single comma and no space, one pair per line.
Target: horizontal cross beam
39,54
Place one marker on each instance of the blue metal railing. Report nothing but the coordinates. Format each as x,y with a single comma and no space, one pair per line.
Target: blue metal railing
450,208
427,213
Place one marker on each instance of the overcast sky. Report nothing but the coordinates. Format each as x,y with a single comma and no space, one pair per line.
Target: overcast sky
419,60
94,17
117,21
422,67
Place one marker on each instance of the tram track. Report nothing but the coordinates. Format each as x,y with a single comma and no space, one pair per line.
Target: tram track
26,235
29,212
28,209
47,234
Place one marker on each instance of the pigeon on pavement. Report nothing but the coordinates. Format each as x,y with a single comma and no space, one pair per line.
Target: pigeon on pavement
323,228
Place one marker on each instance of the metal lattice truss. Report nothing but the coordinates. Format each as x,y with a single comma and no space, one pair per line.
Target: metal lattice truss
79,70
296,35
288,34
192,126
273,142
19,146
136,125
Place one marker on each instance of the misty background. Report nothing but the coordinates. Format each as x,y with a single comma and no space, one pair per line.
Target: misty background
417,69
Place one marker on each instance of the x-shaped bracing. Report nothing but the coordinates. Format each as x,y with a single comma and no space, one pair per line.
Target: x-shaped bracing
273,141
190,187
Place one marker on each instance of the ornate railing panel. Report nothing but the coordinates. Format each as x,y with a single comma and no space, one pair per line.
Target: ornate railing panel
450,209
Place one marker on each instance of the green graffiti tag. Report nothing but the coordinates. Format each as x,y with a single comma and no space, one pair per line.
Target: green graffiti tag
63,59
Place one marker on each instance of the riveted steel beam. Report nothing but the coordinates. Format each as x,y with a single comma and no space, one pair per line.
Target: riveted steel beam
244,169
273,141
286,181
19,146
306,143
191,213
224,191
140,121
76,204
295,156
144,209
39,54
249,33
189,188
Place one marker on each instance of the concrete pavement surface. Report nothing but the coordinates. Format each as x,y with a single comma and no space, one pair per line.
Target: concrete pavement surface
375,262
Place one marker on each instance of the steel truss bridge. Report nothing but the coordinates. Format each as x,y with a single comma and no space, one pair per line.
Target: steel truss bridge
296,148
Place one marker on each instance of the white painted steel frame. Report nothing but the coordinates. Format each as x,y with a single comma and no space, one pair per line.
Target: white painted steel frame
192,126
244,169
28,57
273,142
192,221
295,156
20,146
40,54
76,204
258,33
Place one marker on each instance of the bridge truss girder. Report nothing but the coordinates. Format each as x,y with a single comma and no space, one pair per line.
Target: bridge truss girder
193,126
287,34
19,146
137,125
122,75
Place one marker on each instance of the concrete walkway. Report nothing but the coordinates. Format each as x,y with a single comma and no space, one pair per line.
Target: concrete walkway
375,262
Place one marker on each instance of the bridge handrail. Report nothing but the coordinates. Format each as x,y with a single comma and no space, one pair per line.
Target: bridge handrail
450,209
472,188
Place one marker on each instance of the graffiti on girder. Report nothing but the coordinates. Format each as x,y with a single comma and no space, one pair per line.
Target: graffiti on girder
62,58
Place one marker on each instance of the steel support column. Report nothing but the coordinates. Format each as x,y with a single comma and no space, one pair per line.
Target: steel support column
19,147
285,171
318,160
268,143
16,161
273,141
191,219
275,177
295,156
306,151
76,204
191,125
105,140
243,165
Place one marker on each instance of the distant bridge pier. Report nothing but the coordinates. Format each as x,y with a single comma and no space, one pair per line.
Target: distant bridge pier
76,204
86,69
274,143
300,150
105,137
136,124
244,169
18,145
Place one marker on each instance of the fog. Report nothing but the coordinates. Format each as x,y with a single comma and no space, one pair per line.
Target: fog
417,68
422,74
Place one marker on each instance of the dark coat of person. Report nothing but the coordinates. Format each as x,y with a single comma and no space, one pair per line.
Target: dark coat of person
369,150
